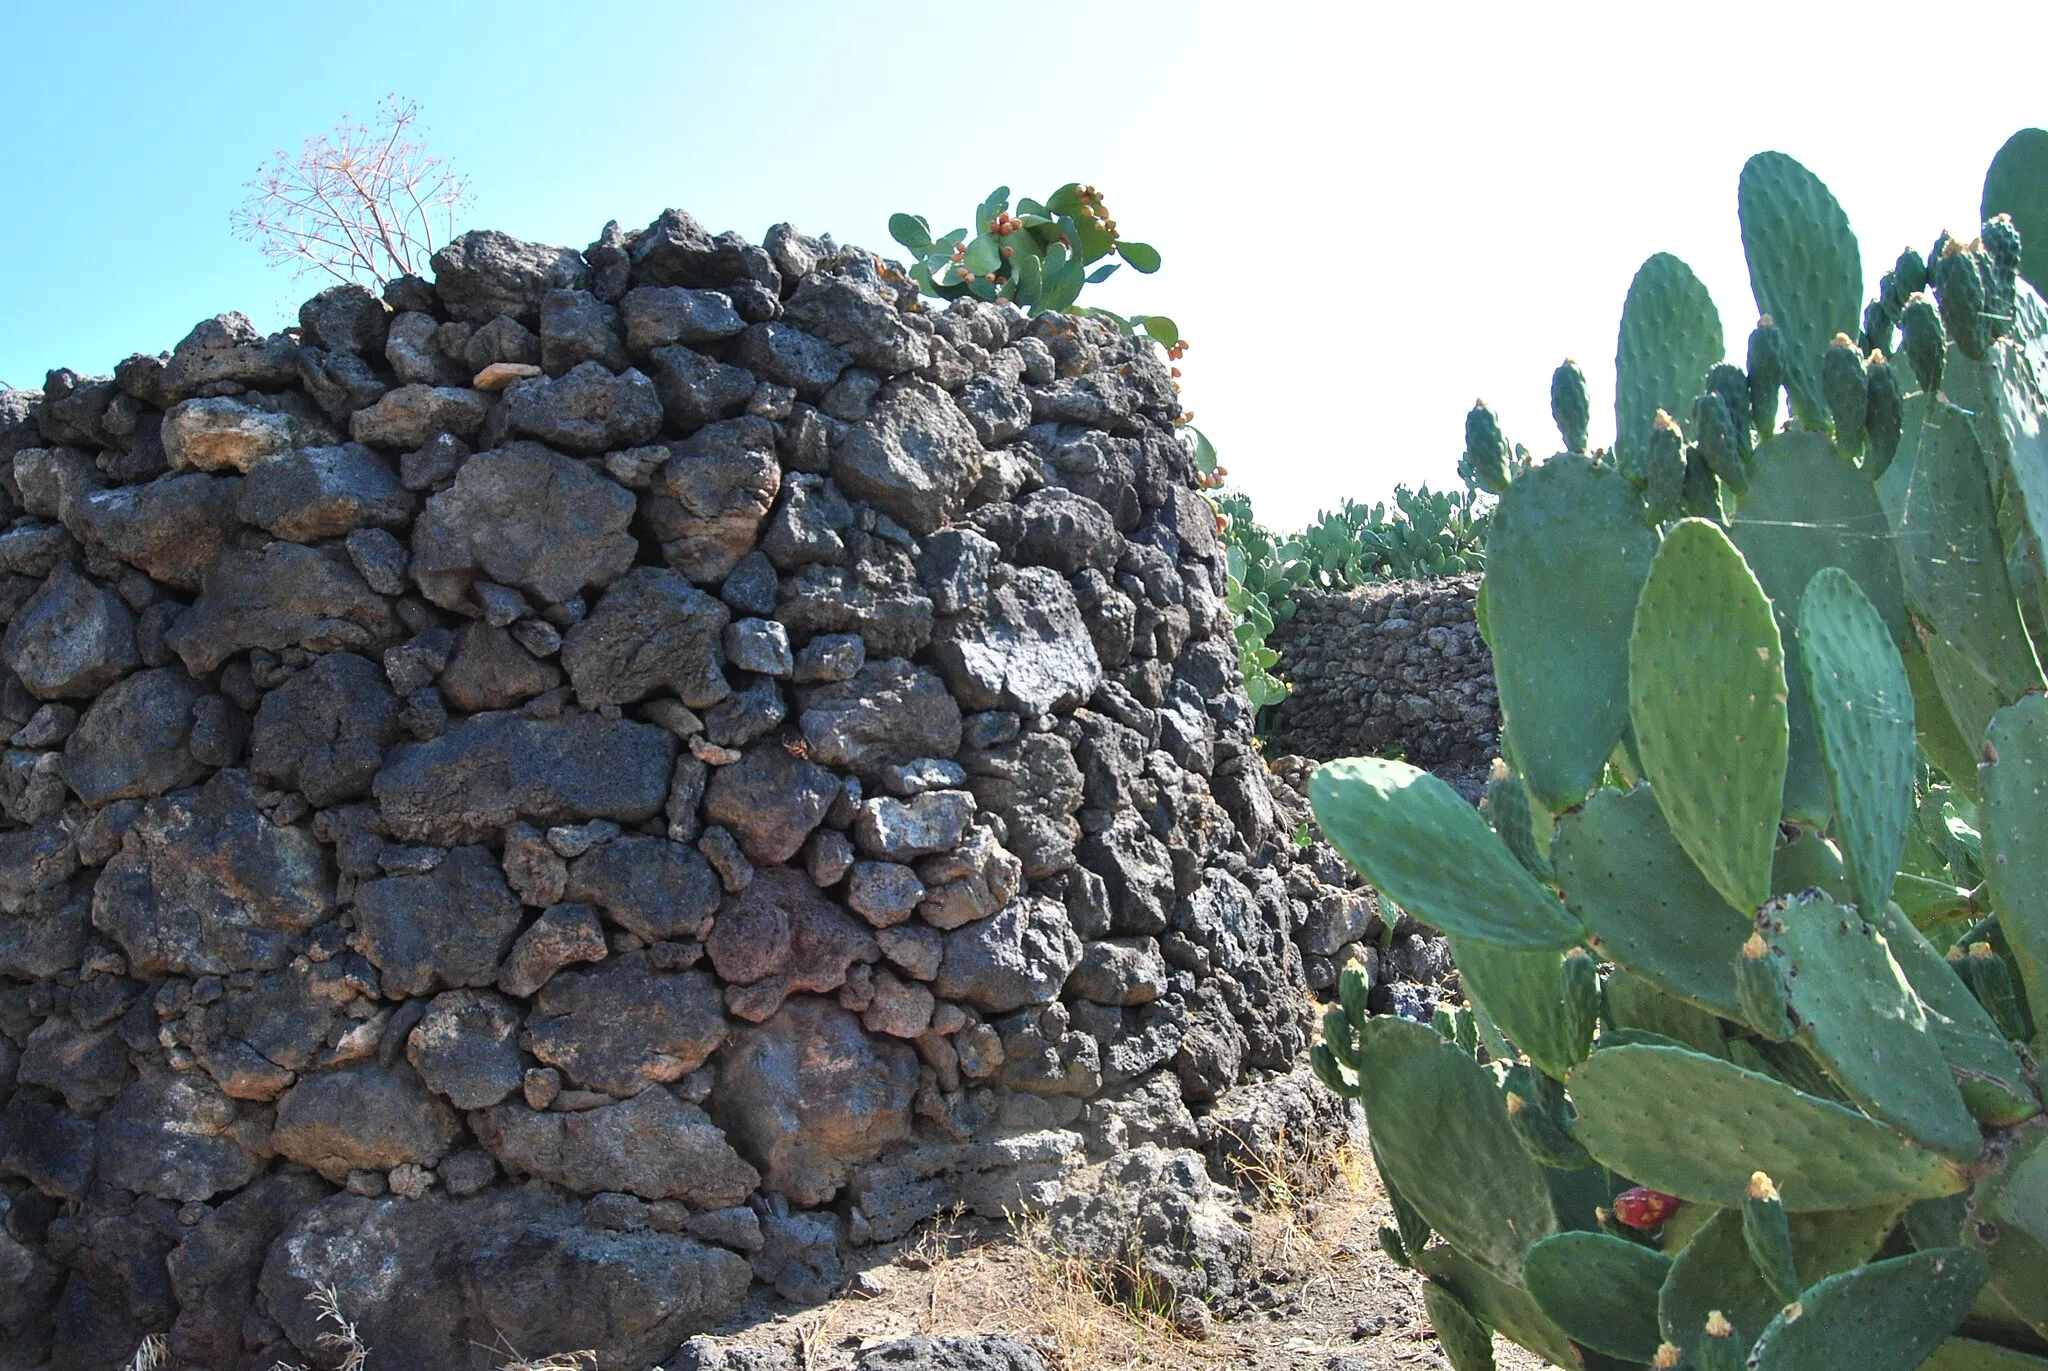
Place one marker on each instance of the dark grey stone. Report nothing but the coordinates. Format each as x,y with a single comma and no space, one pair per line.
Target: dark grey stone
527,517
205,885
651,887
324,492
1024,648
324,732
172,528
577,327
694,390
1019,956
914,457
482,274
808,1094
770,800
133,741
587,409
707,503
659,316
464,1048
889,713
284,596
651,1145
73,638
651,631
622,1026
790,357
450,927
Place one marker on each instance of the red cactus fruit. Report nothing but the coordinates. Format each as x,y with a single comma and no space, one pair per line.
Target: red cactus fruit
1643,1207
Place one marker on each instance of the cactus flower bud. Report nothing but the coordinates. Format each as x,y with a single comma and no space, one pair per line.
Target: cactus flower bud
1713,430
1877,326
1732,386
1926,341
1959,290
1911,271
1884,418
1642,1207
1718,1325
1765,362
1569,405
1762,1187
1848,393
1664,467
1516,1104
1668,1356
1486,451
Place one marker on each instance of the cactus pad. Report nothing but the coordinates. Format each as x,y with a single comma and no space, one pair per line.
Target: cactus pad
1715,1270
1861,1019
1466,1341
1566,558
1440,1131
1863,712
1633,1004
1894,1313
1822,1155
1670,335
1600,1290
1707,700
1497,1302
2017,184
1808,508
1949,551
2014,424
1523,992
1989,1072
1804,269
2014,780
1967,1354
1419,842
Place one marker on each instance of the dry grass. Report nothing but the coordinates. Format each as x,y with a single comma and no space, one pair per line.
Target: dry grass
154,1352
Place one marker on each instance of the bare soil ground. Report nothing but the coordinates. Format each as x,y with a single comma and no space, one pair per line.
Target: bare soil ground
1325,1296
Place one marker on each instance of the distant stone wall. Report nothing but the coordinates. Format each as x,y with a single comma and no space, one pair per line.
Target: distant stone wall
547,796
1398,667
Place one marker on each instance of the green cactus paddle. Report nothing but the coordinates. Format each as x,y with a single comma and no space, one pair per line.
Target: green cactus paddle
1862,1021
1895,1313
1644,903
2014,779
1804,269
1808,508
1670,334
1566,556
1707,697
1822,1155
1601,1290
1424,847
1863,707
2017,184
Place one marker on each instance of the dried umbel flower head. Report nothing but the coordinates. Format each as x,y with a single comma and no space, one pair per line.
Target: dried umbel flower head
360,202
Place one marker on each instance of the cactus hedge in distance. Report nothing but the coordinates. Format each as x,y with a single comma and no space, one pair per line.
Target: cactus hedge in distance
1755,946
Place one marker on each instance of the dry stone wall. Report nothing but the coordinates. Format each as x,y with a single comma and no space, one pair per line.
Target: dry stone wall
1392,669
546,797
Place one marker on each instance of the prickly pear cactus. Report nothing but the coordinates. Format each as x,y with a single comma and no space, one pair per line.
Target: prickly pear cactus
1756,945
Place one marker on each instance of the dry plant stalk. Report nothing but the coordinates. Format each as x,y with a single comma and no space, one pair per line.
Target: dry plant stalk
151,1355
360,202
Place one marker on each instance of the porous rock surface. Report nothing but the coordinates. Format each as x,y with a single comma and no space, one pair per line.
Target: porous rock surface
1398,667
538,858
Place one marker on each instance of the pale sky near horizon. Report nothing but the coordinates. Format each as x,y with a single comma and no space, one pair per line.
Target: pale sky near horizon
1369,214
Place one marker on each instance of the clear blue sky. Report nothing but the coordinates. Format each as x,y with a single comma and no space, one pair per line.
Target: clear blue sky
1369,215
